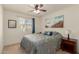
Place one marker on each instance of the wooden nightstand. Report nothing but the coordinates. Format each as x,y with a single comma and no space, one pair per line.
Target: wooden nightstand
69,45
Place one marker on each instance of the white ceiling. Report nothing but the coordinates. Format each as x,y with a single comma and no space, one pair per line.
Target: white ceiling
26,8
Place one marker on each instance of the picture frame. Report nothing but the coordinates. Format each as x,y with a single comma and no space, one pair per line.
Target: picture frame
55,22
11,23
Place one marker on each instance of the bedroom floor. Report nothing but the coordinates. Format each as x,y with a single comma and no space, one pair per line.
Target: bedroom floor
16,49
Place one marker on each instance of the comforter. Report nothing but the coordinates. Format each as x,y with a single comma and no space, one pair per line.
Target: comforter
41,44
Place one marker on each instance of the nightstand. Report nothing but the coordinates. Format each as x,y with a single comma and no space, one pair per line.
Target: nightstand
69,45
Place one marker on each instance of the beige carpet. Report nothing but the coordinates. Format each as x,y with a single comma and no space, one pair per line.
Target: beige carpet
16,49
13,49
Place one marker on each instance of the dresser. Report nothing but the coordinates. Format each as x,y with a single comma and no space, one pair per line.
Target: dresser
69,45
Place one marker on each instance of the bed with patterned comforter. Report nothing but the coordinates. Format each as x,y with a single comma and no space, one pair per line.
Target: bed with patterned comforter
41,44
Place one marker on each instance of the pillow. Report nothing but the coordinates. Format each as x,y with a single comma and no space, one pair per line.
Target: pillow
48,33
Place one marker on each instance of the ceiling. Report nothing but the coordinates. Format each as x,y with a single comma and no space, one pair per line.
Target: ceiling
26,8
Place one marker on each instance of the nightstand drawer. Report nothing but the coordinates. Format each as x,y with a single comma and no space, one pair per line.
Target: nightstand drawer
68,45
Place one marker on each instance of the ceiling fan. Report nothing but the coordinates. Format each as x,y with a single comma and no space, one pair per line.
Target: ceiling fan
38,8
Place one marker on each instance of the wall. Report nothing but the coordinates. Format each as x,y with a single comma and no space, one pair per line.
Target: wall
1,28
71,22
14,35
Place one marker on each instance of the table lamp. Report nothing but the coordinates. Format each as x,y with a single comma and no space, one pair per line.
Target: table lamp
68,34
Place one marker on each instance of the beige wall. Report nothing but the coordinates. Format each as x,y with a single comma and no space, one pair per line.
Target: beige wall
1,28
71,22
14,35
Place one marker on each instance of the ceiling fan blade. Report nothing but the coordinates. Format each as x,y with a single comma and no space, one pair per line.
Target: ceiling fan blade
36,6
43,10
41,5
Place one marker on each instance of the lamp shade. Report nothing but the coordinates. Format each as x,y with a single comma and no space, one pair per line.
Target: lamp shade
67,32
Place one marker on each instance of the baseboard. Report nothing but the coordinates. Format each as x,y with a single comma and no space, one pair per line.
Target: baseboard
11,44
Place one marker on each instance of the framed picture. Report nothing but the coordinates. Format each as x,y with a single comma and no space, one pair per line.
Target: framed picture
11,23
55,22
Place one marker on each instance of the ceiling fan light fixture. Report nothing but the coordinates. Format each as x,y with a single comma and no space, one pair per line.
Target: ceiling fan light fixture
36,11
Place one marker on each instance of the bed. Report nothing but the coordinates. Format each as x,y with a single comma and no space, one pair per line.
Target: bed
41,44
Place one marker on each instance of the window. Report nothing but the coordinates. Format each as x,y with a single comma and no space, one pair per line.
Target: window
25,24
